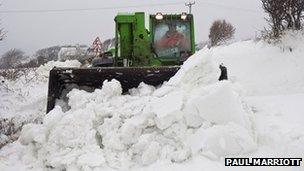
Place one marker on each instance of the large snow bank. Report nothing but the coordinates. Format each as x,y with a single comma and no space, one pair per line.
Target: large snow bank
192,114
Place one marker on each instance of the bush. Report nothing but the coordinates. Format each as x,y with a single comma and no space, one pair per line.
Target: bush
8,131
220,32
13,74
12,59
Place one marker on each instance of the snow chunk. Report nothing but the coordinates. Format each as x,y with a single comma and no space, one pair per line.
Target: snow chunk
111,88
29,134
167,109
191,115
222,140
150,155
221,105
142,90
93,158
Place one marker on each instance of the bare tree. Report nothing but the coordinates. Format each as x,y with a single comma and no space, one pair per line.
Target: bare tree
294,14
283,15
12,59
108,44
2,34
275,20
220,32
47,54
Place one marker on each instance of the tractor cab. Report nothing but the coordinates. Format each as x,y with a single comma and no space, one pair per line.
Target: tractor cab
169,41
172,37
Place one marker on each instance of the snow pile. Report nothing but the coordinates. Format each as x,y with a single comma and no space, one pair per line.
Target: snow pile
192,114
24,100
44,70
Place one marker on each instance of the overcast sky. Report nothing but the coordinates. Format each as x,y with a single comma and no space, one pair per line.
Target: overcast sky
30,30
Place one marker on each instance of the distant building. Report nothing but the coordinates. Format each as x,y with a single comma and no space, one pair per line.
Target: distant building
73,52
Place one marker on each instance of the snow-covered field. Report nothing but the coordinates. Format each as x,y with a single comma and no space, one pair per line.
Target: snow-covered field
191,122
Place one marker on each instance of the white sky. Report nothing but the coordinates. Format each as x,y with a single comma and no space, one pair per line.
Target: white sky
33,31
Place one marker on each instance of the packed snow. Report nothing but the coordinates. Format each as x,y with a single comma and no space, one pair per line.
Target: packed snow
191,122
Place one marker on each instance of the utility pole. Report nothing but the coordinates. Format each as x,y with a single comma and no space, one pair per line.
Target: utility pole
189,5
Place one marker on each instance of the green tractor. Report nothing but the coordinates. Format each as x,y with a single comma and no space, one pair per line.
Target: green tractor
140,55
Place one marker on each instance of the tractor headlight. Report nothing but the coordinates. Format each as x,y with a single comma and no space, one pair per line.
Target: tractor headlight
184,16
159,16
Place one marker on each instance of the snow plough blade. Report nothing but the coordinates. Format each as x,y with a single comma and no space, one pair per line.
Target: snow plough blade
62,80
